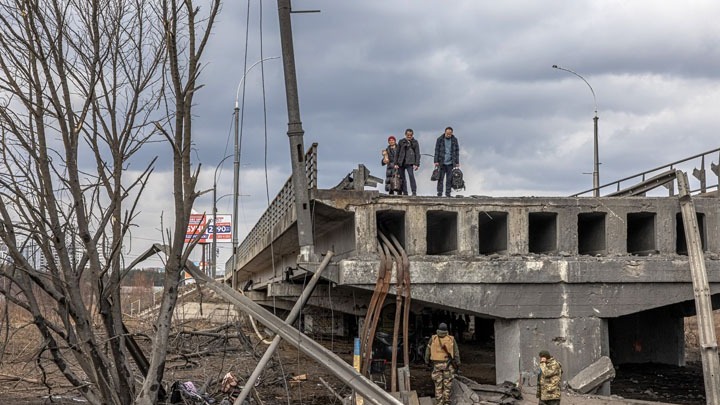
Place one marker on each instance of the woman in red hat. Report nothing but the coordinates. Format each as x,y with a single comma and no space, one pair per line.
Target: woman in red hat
393,183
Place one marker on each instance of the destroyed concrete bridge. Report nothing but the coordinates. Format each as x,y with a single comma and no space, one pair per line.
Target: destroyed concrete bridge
584,277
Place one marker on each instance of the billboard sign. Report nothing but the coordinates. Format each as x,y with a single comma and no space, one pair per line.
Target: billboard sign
202,225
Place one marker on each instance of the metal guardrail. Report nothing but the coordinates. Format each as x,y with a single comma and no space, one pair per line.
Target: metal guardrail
281,206
614,188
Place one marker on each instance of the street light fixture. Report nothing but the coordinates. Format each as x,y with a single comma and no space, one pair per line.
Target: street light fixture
213,260
596,160
236,176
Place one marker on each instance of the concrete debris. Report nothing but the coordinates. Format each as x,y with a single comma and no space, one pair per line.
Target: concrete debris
298,379
593,376
407,397
468,392
358,179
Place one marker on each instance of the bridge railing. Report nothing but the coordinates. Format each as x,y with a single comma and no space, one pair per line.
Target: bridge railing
661,173
281,206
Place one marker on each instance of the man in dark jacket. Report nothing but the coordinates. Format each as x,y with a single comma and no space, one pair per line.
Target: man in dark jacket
447,157
408,160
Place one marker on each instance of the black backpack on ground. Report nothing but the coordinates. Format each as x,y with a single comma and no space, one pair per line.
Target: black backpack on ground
457,181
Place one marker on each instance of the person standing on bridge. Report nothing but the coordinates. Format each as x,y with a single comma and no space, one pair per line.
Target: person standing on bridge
447,157
408,161
443,353
390,158
549,377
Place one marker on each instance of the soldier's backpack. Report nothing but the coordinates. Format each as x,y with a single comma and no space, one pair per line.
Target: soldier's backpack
457,181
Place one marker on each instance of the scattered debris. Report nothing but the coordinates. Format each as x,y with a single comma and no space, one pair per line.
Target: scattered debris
358,179
186,393
338,396
297,379
467,392
10,377
229,383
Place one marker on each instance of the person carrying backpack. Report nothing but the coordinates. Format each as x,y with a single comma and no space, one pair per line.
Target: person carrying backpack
447,157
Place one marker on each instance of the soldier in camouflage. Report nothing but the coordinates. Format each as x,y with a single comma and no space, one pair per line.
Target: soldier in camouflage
443,353
549,377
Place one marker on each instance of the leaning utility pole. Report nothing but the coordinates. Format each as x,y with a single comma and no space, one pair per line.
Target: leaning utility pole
701,287
295,134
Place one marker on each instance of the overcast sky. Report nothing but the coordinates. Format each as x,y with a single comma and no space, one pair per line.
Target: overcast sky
369,69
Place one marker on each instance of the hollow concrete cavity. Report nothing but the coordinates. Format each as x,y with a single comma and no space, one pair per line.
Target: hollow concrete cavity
493,232
591,233
542,232
442,229
641,233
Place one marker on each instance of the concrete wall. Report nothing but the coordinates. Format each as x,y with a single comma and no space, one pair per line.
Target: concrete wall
574,342
340,238
541,225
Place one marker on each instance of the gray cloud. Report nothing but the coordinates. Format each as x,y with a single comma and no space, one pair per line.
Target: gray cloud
370,69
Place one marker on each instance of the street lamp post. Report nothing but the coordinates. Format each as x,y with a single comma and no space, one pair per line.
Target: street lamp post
236,177
596,159
213,255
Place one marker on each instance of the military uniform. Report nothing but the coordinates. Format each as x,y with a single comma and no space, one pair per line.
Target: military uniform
549,378
443,371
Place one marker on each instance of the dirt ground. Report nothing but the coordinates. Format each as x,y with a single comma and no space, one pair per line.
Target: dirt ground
20,376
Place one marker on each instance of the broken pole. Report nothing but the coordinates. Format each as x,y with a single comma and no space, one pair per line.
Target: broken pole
701,288
291,318
295,134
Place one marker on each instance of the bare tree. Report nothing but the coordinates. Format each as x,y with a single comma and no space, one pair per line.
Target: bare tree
84,85
186,35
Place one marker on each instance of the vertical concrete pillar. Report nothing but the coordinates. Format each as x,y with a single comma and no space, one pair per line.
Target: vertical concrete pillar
365,229
518,230
468,237
567,225
665,230
574,342
616,231
415,230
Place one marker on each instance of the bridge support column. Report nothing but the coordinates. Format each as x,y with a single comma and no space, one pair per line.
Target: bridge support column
416,230
365,230
467,232
517,231
574,342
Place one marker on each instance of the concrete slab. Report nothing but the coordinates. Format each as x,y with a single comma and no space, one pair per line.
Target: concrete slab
581,399
407,397
592,376
427,401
